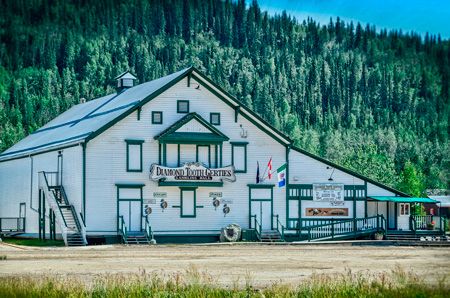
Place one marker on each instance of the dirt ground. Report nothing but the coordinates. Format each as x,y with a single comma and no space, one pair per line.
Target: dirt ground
227,264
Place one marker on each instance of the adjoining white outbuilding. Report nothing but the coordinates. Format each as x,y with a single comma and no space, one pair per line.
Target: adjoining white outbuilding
177,159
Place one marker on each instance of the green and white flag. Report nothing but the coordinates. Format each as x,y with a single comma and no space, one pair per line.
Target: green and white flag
281,173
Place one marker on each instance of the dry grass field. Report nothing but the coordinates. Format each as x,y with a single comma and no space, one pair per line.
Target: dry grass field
227,265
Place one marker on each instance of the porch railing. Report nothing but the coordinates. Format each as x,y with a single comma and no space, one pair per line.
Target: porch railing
428,222
123,229
148,228
355,227
12,224
254,224
278,226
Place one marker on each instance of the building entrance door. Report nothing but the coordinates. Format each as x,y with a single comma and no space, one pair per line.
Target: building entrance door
131,212
263,212
261,205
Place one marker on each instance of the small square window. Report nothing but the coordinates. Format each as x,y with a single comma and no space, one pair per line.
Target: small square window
157,117
214,118
183,106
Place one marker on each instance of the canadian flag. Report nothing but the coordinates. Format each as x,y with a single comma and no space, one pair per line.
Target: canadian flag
269,166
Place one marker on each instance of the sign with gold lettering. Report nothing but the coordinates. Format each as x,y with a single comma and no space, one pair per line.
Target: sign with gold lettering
193,172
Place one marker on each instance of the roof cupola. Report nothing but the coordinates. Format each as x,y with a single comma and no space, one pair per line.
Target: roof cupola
125,80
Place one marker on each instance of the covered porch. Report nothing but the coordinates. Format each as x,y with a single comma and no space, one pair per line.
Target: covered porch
407,214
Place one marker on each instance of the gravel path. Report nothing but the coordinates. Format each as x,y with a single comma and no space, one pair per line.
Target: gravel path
226,264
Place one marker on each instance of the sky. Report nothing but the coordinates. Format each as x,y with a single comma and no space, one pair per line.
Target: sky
421,16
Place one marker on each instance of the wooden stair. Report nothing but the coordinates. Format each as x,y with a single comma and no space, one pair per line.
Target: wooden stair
271,236
137,238
418,236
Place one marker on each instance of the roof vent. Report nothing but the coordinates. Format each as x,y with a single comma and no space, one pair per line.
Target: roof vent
125,80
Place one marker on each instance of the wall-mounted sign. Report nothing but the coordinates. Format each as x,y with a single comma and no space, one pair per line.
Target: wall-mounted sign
215,194
192,171
326,212
329,192
159,195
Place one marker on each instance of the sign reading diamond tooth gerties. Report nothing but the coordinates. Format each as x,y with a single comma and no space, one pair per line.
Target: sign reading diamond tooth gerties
192,171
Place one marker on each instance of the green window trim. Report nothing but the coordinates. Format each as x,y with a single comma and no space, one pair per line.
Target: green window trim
194,190
211,118
239,144
134,143
179,110
154,121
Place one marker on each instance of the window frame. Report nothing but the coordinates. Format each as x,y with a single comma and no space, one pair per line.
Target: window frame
178,106
239,144
153,117
133,143
211,118
194,190
403,210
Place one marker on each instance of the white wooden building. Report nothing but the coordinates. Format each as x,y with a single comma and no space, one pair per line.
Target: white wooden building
176,158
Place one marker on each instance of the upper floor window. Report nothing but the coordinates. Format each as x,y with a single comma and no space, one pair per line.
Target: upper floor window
134,155
239,156
157,117
214,118
183,106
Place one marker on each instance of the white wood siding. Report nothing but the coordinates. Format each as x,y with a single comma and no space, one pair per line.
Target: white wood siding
105,160
19,183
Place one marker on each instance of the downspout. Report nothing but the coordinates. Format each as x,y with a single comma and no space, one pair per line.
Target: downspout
83,146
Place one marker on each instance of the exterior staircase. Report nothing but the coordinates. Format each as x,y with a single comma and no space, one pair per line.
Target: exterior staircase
72,228
271,236
145,236
137,238
416,236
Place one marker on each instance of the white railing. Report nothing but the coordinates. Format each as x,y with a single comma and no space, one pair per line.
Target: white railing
54,206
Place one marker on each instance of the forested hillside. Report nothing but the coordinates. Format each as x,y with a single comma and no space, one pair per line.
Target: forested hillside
374,101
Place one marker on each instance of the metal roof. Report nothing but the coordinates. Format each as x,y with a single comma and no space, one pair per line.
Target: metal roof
82,120
444,200
402,199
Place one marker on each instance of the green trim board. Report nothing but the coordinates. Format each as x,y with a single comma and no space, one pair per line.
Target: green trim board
134,143
214,118
182,109
155,120
402,199
190,184
192,138
239,144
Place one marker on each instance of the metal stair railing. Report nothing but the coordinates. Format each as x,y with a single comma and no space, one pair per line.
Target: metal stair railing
53,204
49,188
279,226
256,226
148,229
123,229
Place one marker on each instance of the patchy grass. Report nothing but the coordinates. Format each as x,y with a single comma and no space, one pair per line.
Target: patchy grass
33,242
194,283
